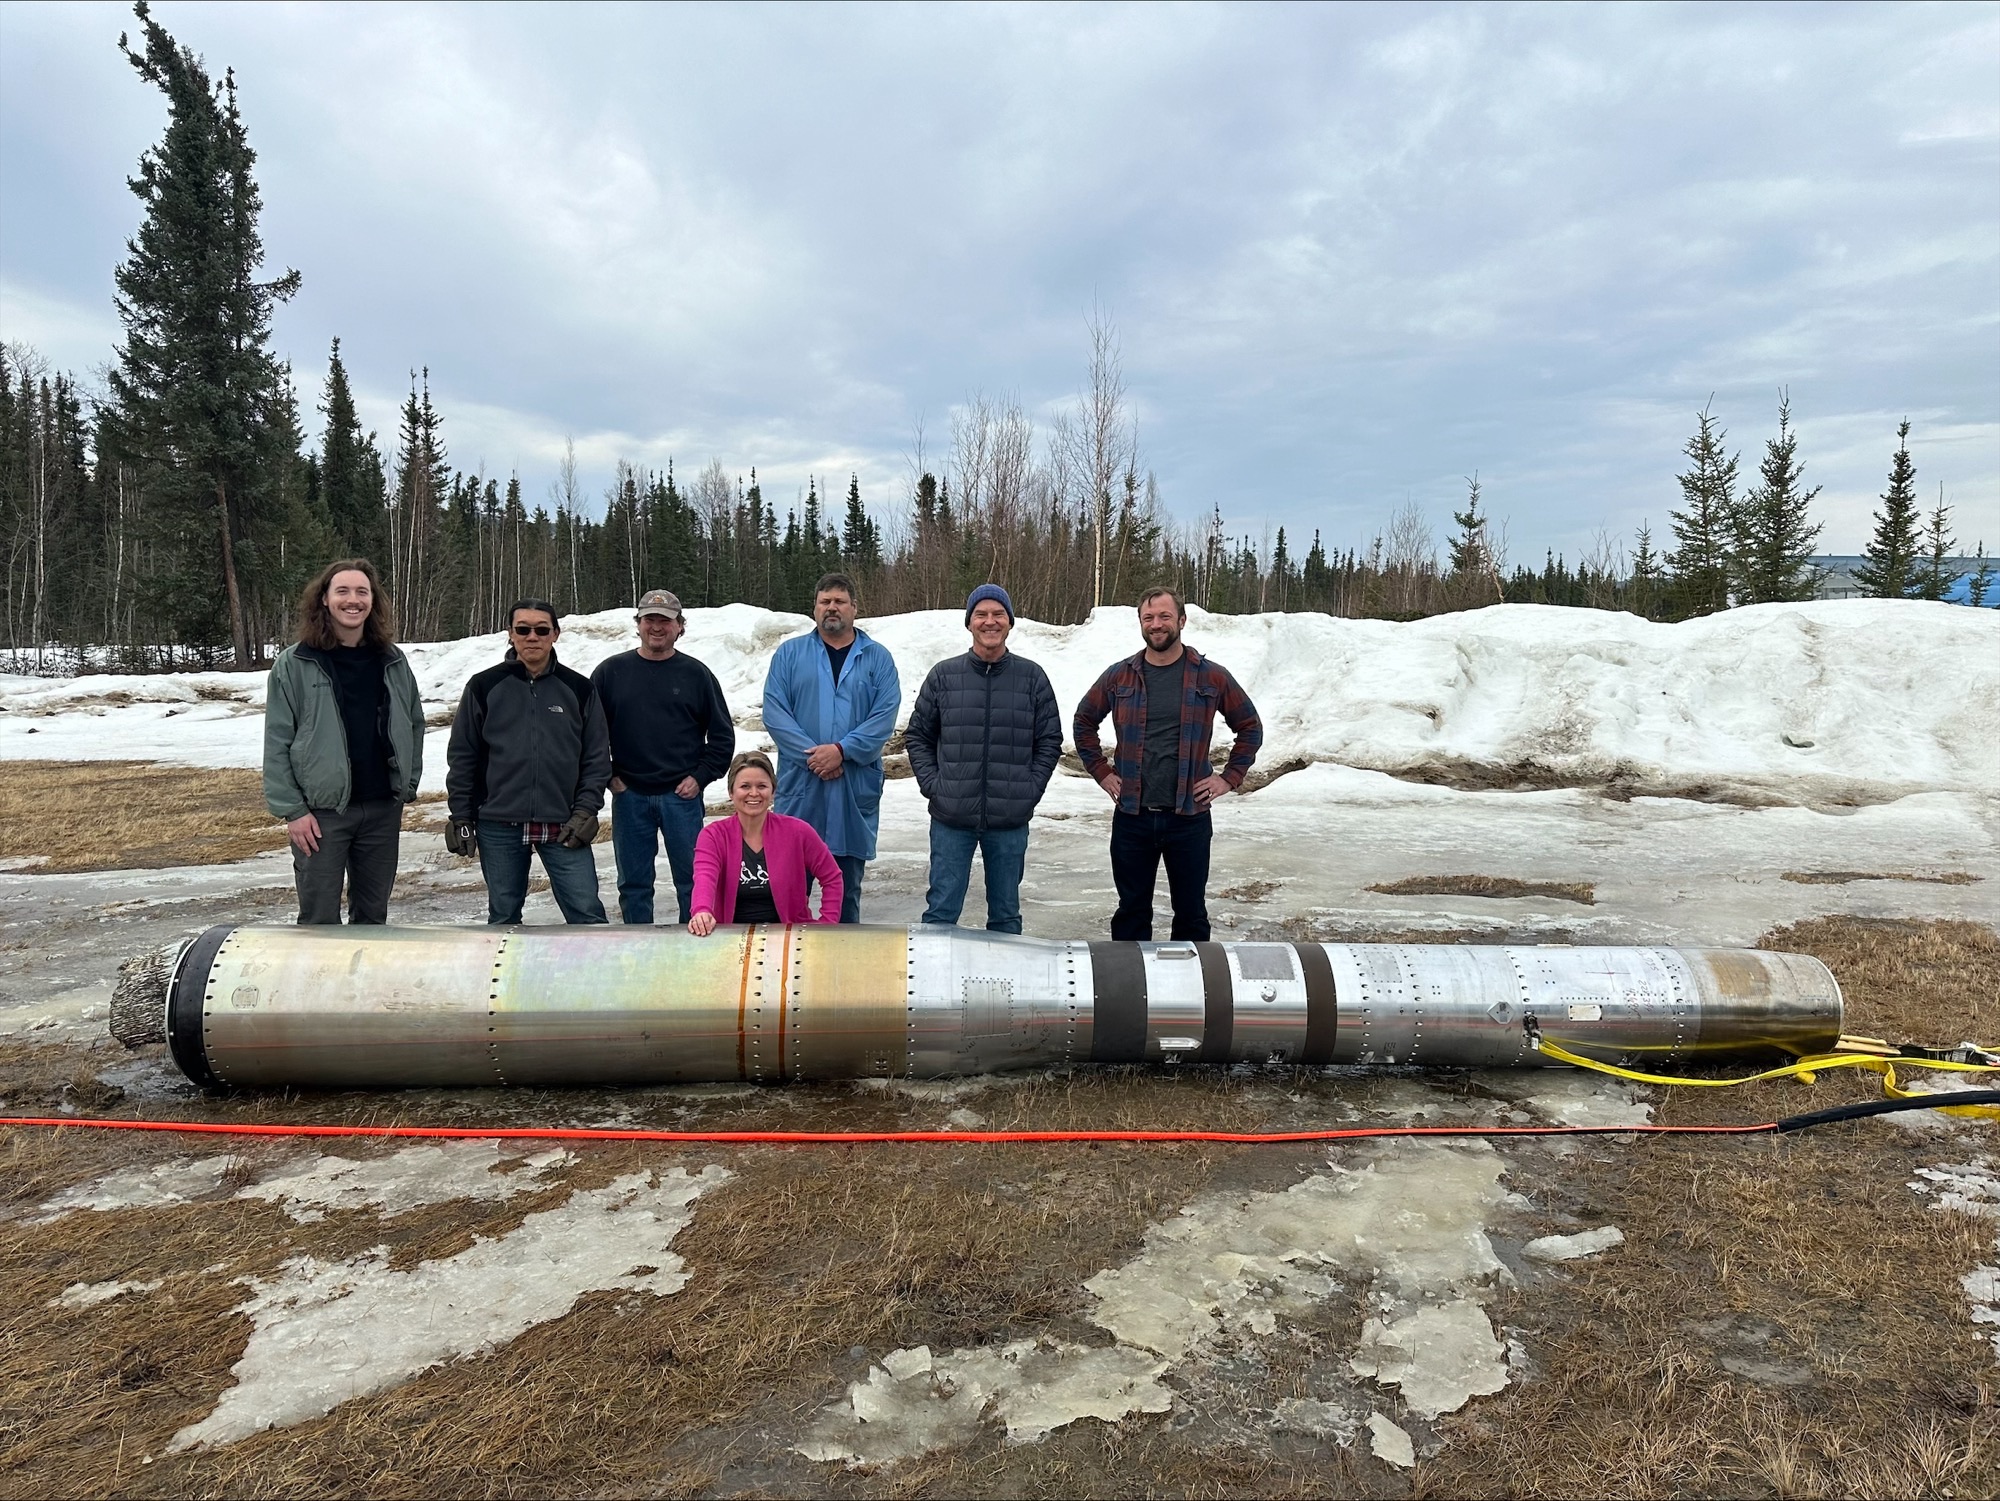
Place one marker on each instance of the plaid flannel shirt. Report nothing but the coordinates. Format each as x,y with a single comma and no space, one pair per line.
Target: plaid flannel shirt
1206,690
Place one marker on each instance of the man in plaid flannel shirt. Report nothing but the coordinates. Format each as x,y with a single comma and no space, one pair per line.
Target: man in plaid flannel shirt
1163,704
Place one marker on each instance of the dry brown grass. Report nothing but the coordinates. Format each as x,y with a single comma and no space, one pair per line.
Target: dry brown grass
140,815
1495,886
132,815
1842,877
1656,1370
1907,980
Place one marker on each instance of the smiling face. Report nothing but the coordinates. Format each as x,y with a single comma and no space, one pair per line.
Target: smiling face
989,625
750,791
658,633
533,633
349,598
1160,622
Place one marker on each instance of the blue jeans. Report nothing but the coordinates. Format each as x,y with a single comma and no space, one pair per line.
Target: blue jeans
1002,852
1139,843
640,823
852,868
503,860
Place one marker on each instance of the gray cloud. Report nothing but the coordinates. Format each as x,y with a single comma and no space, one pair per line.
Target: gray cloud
1355,253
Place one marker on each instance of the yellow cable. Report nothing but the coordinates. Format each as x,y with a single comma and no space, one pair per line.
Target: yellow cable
1805,1071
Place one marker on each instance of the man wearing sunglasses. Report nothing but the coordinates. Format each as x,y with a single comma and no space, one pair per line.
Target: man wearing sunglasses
528,763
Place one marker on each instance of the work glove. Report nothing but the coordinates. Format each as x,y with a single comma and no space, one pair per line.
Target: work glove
461,838
578,832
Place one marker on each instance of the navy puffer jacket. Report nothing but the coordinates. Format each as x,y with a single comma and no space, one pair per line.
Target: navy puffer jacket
983,740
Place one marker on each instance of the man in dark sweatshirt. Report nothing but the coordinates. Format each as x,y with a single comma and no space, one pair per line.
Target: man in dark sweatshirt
670,737
526,769
983,739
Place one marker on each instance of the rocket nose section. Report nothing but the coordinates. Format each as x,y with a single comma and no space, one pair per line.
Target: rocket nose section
1762,998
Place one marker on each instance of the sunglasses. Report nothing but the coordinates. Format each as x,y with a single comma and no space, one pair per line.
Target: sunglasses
524,629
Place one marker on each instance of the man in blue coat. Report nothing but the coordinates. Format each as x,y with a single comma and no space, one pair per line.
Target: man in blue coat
830,702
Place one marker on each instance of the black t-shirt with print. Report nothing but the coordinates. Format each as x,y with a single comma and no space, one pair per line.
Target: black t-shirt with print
753,890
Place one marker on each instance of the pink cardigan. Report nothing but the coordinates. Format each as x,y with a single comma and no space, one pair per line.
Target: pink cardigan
791,847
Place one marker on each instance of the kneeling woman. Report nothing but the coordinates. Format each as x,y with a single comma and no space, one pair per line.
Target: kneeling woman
753,865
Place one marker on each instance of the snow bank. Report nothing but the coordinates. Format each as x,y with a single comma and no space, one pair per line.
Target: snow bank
1840,702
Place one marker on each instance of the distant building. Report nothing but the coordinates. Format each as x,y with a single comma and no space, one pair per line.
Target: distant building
1839,581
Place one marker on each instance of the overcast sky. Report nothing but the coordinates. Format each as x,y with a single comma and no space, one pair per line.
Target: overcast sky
1353,253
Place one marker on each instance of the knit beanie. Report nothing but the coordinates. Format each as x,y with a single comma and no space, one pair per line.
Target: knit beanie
988,591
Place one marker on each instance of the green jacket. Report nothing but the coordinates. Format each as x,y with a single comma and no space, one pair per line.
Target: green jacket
305,743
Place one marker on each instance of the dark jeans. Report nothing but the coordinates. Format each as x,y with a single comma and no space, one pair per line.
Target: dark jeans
640,823
852,868
503,860
1003,853
358,846
1139,841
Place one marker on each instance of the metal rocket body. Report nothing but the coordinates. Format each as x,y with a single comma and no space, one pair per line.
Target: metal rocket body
354,1007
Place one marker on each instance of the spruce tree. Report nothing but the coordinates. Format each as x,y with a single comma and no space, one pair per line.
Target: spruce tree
1703,531
1774,541
1643,594
353,505
1315,579
194,380
1933,579
1982,581
1890,571
1468,548
863,542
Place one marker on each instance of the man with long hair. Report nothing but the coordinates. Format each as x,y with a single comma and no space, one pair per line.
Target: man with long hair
343,744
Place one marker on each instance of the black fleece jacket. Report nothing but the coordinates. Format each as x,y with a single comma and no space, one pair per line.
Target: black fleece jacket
527,749
983,740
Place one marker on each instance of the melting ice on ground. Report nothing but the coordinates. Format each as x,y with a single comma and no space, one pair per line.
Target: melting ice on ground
1410,1222
329,1331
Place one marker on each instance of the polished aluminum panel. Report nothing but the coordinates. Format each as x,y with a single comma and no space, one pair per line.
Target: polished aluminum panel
980,1002
1759,998
346,1007
1176,1001
1270,1002
613,1005
844,997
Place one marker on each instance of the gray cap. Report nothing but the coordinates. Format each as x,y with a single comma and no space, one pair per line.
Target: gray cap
660,602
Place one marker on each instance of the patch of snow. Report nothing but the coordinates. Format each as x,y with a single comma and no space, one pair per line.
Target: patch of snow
138,1187
1389,1443
1574,1247
326,1332
1964,1188
913,1403
431,1173
308,1187
965,1120
1971,1188
1577,1097
1410,1222
1441,1355
90,1294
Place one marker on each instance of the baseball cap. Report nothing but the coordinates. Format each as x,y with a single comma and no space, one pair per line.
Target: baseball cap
660,602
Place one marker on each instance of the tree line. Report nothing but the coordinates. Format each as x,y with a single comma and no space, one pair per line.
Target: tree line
171,519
